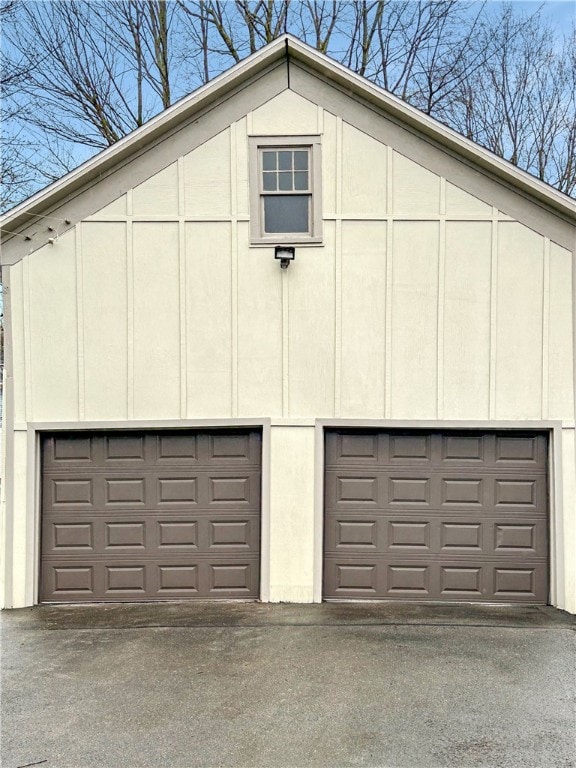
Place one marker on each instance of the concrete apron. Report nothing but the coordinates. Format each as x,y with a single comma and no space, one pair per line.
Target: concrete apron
251,614
288,686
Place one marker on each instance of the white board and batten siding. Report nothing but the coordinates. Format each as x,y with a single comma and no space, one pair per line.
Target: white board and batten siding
423,302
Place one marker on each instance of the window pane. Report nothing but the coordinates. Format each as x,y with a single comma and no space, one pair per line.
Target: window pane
285,181
269,161
301,180
301,160
285,161
286,213
270,181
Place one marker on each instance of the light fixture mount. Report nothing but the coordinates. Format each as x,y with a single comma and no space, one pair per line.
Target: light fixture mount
285,254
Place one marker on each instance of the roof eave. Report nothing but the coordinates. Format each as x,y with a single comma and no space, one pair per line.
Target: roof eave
278,50
433,129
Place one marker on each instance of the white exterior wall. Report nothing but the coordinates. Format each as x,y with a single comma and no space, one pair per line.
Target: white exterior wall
292,485
423,303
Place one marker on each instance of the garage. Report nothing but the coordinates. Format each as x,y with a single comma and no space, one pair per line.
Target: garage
164,515
420,313
430,515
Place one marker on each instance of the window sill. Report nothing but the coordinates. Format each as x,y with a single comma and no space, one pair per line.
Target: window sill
313,242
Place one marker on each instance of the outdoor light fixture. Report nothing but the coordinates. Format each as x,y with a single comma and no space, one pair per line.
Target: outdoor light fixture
286,254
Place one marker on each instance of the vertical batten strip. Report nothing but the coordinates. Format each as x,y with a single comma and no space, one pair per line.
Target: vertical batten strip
573,302
182,289
545,329
339,165
27,338
440,320
234,268
181,191
389,181
8,437
389,281
388,341
234,315
441,299
320,120
233,172
130,305
338,319
338,273
493,313
285,344
80,315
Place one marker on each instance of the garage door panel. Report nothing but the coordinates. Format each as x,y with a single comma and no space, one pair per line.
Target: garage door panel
68,582
60,535
519,583
125,451
175,491
175,449
468,522
520,450
410,535
151,516
461,581
61,493
526,538
124,491
348,532
68,450
231,450
463,491
233,533
176,581
94,490
356,490
513,492
353,580
102,534
517,493
124,535
124,448
447,536
463,536
138,579
409,491
355,448
468,449
236,490
413,449
406,579
409,580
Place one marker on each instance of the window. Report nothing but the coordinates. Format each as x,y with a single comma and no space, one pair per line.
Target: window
285,190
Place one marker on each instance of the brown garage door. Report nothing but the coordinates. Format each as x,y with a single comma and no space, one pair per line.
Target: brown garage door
436,516
150,516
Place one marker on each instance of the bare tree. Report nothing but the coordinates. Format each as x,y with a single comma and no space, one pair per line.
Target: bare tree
80,74
317,22
141,30
17,176
521,103
103,68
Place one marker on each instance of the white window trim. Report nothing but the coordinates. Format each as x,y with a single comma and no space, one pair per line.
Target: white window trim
257,236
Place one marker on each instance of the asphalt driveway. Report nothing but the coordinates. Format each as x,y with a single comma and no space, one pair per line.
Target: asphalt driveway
284,685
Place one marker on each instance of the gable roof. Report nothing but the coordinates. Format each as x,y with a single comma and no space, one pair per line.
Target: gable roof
282,52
